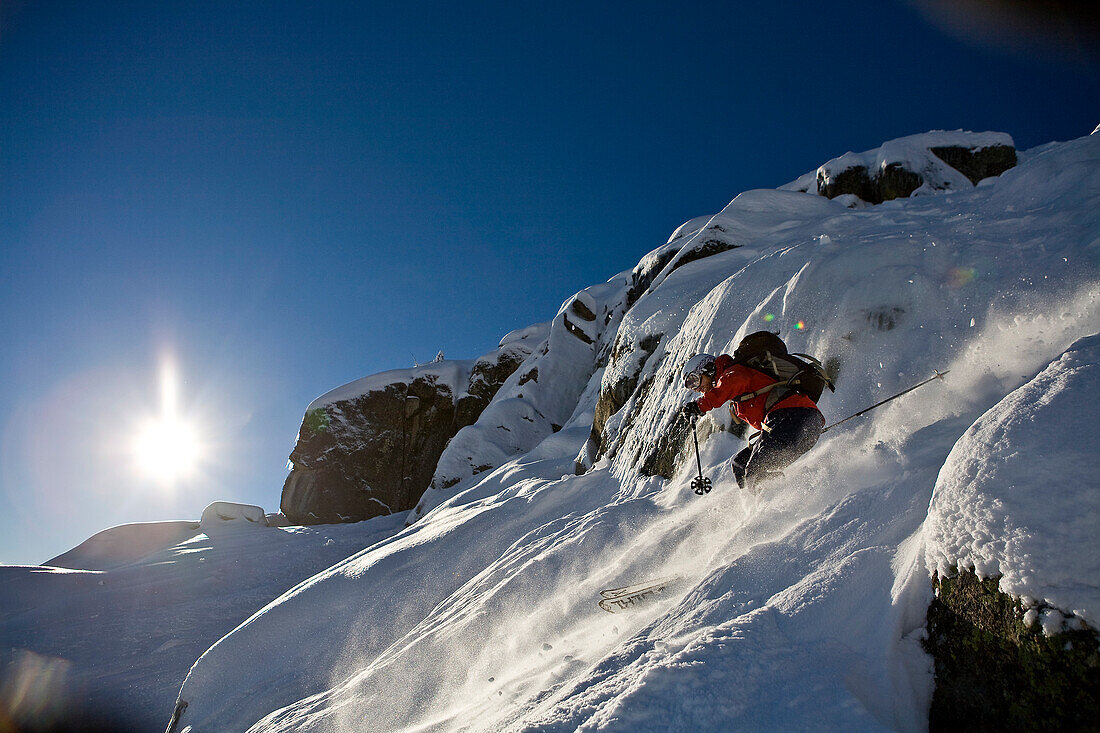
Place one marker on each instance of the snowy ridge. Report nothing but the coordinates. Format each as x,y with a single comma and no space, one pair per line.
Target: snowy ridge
915,154
501,630
799,609
454,374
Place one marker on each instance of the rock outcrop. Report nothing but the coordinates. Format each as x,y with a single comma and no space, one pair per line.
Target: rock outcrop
377,450
370,448
535,402
996,671
925,163
1012,626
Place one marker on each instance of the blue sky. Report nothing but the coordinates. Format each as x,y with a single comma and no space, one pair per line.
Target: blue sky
281,198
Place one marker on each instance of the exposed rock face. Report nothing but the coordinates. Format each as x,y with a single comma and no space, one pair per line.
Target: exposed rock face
994,671
614,395
978,163
926,163
578,309
890,182
371,450
650,266
706,248
362,457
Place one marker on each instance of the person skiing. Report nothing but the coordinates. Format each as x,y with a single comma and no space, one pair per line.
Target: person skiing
772,391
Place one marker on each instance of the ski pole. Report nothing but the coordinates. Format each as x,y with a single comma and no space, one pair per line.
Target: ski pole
938,375
699,484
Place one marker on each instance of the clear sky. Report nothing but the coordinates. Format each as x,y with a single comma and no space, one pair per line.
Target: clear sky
218,211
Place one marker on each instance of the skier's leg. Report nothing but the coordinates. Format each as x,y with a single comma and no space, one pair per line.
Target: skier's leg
793,431
739,463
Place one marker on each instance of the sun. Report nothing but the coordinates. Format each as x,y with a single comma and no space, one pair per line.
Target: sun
167,447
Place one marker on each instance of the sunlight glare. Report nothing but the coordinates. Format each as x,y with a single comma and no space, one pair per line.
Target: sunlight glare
167,447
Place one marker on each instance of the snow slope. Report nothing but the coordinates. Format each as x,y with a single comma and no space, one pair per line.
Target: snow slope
106,648
799,609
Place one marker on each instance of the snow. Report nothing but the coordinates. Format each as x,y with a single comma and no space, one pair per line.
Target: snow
454,374
912,153
221,514
124,544
534,334
690,226
1006,504
107,649
802,608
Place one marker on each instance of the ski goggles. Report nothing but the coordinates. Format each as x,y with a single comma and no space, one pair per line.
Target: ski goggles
693,380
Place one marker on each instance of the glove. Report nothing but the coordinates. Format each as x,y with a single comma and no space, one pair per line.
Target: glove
691,410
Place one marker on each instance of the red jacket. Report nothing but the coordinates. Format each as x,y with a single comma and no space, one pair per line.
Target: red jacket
736,379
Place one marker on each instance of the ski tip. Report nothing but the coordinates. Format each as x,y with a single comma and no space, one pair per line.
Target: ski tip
616,600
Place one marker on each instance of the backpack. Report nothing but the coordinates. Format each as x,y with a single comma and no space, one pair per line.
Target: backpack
802,374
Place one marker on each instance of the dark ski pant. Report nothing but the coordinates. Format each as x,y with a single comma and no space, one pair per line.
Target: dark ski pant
792,432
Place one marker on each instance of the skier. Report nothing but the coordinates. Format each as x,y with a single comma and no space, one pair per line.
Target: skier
771,390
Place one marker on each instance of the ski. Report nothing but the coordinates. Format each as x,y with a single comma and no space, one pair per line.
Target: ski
616,600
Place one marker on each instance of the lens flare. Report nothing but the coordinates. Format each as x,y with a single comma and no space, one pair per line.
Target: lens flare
958,277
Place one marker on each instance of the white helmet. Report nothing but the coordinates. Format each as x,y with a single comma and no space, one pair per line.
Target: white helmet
696,367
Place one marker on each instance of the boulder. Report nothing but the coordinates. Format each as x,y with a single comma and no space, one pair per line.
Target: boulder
977,163
918,164
226,514
370,448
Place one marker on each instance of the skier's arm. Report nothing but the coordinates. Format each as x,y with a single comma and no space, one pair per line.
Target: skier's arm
730,385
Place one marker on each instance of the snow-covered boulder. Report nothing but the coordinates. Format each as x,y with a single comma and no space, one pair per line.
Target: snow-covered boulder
370,447
1011,541
1017,496
913,165
222,515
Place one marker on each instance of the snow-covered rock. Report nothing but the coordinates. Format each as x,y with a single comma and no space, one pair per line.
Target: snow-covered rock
536,401
1018,497
370,447
222,515
911,166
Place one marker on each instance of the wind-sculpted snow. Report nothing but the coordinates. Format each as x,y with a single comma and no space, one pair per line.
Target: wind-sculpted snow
107,650
124,544
538,400
1030,465
800,609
